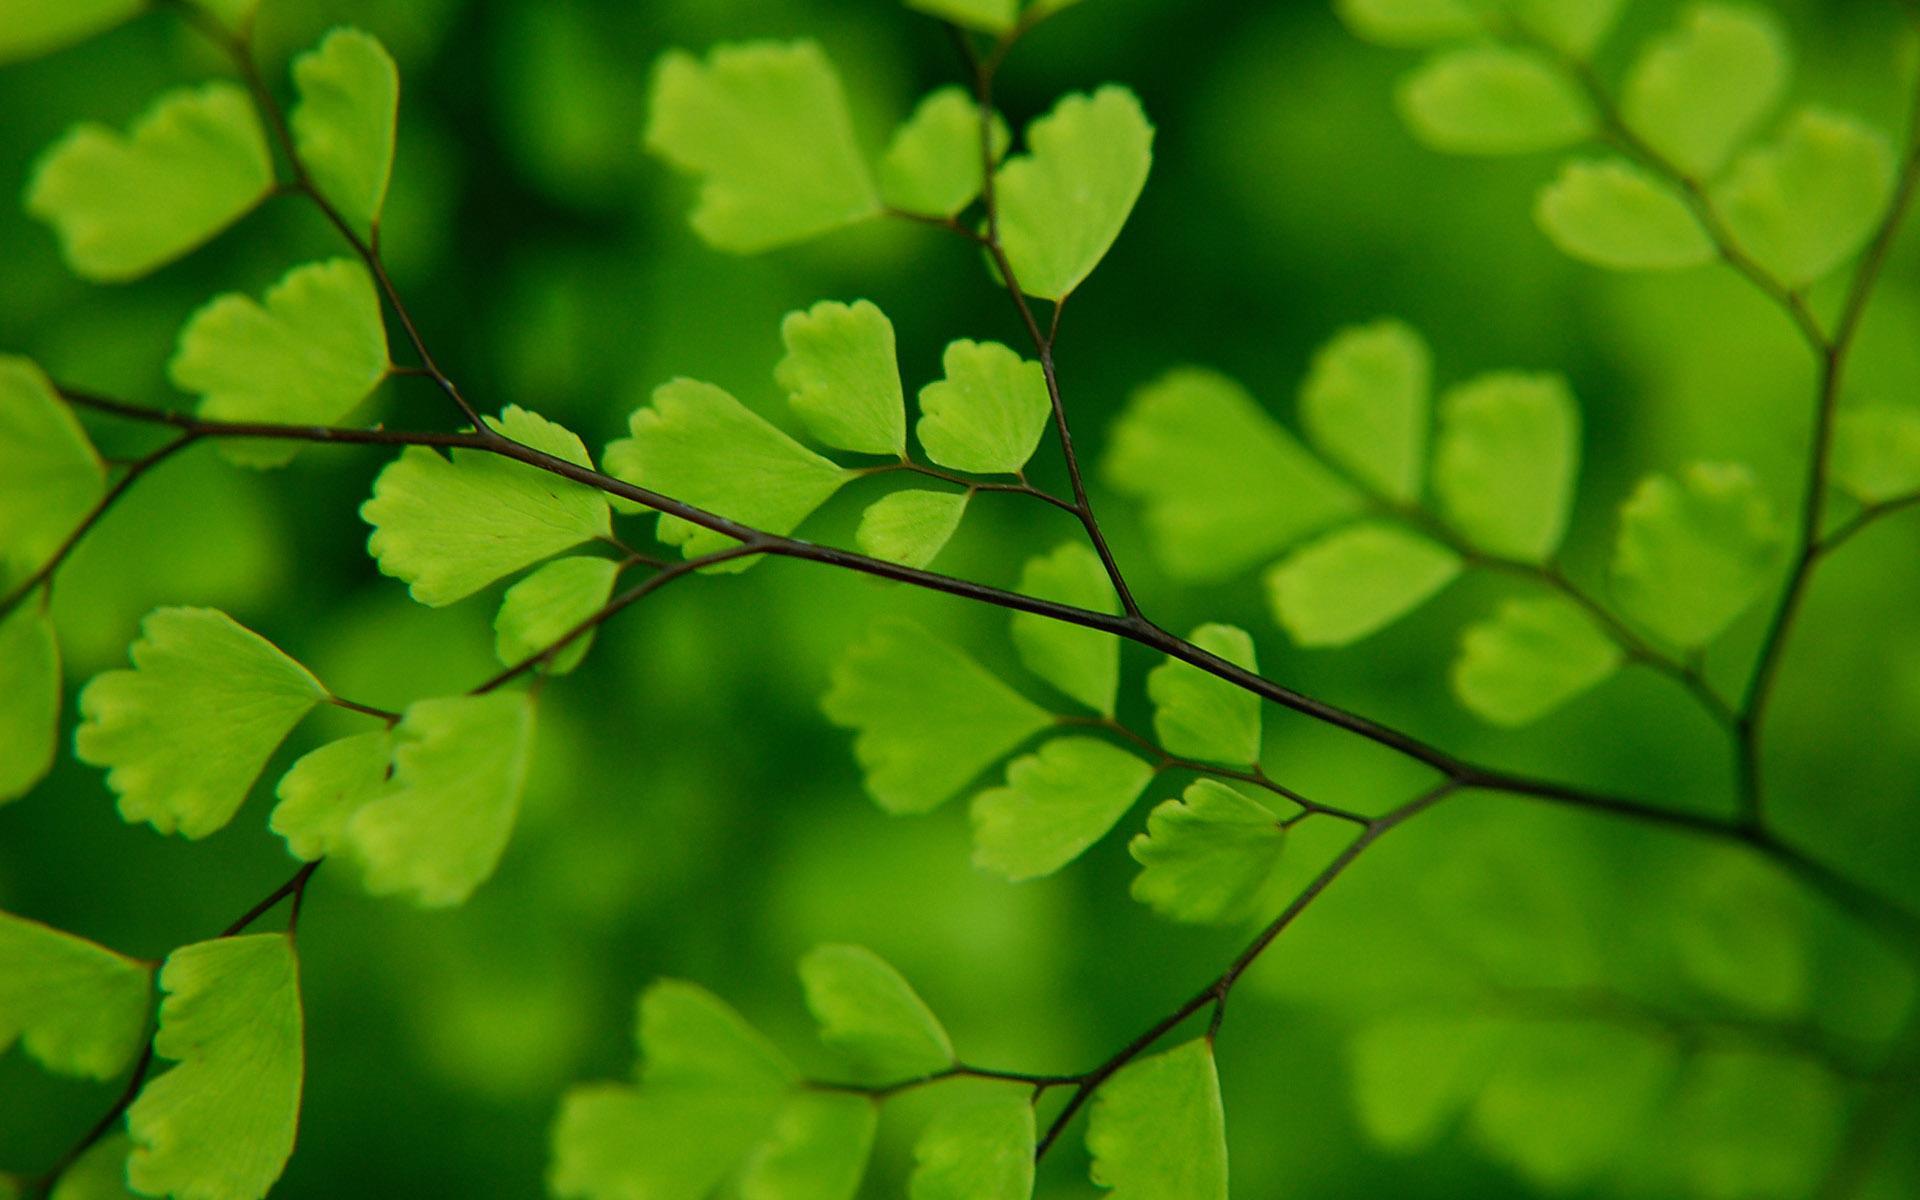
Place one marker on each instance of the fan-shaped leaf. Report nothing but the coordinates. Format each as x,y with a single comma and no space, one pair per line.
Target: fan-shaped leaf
1573,27
33,27
1412,1074
1366,405
1613,214
99,1174
322,791
1083,663
1529,659
1876,452
1803,204
30,703
1055,804
1196,715
868,1011
1207,856
1409,22
1356,581
1505,460
50,476
546,606
988,16
986,414
1696,92
976,1150
1694,553
910,527
343,125
79,1008
817,1151
1490,99
842,376
1063,203
1157,1130
933,163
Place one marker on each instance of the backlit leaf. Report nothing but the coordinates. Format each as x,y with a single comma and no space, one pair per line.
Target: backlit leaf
910,527
1356,581
1083,663
1692,554
343,125
1804,203
1613,214
985,415
1196,715
30,702
1412,1074
50,476
1409,22
322,791
1157,1130
1055,804
78,1008
1694,94
1505,461
99,1174
1876,452
817,1151
1366,405
33,27
690,1036
868,1012
988,16
842,377
546,606
1574,27
1532,656
976,1150
1207,856
1488,99
933,162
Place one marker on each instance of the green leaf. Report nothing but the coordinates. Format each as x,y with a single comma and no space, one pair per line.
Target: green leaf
910,527
842,377
868,1012
985,415
1876,452
220,1125
1206,857
1412,1074
184,734
933,162
1694,94
459,765
1613,214
1055,804
1083,663
450,526
308,357
987,16
29,28
30,702
1366,405
976,1150
1225,487
1356,581
194,163
929,719
343,125
1805,203
99,1174
1574,27
1530,658
1063,202
1505,461
50,476
78,1008
690,1036
1157,1130
1409,22
766,127
817,1151
546,606
1750,1123
1493,100
1694,553
323,790
1197,715
698,444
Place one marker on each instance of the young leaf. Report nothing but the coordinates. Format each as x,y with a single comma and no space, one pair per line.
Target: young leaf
1083,663
871,1014
1505,460
929,719
1876,452
985,415
1488,99
309,356
30,701
29,28
80,1009
1412,1075
50,476
1574,27
1406,23
1224,485
766,127
184,734
194,163
546,606
1055,804
697,443
910,527
322,791
976,1150
1206,857
343,125
841,375
1196,715
1356,581
817,1150
1063,202
1692,554
689,1036
1366,404
1157,1129
98,1174
1613,214
220,1125
459,765
1530,658
987,16
933,164
1801,205
451,526
1694,94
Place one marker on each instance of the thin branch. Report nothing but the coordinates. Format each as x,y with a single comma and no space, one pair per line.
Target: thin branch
1863,520
1019,487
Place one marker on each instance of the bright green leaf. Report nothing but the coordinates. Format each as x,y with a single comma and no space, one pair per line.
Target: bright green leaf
50,476
929,719
1488,99
30,702
985,415
933,162
184,734
236,16
1505,461
690,1036
343,125
29,28
976,1150
1412,1074
1574,27
1055,804
1063,203
451,526
1694,553
1694,94
99,1174
1366,405
1803,204
910,527
842,376
817,1151
1613,214
1356,581
1876,452
459,765
1531,657
867,1011
1206,857
220,1125
1197,715
79,1009
1157,1130
765,125
322,791
1083,663
194,163
987,16
1409,22
546,606
1225,487
309,356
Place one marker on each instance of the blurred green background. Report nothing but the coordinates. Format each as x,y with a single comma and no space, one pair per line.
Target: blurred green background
693,815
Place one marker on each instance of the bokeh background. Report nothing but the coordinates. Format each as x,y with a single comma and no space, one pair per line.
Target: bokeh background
693,815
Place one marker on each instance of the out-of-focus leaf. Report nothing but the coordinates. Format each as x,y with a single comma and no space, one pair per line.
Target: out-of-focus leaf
50,475
1488,99
976,1150
1876,452
867,1011
1695,93
1366,405
1804,203
1083,663
1693,553
322,791
1613,214
1356,581
817,1151
33,27
1531,657
1505,461
1409,22
77,1007
1157,1129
